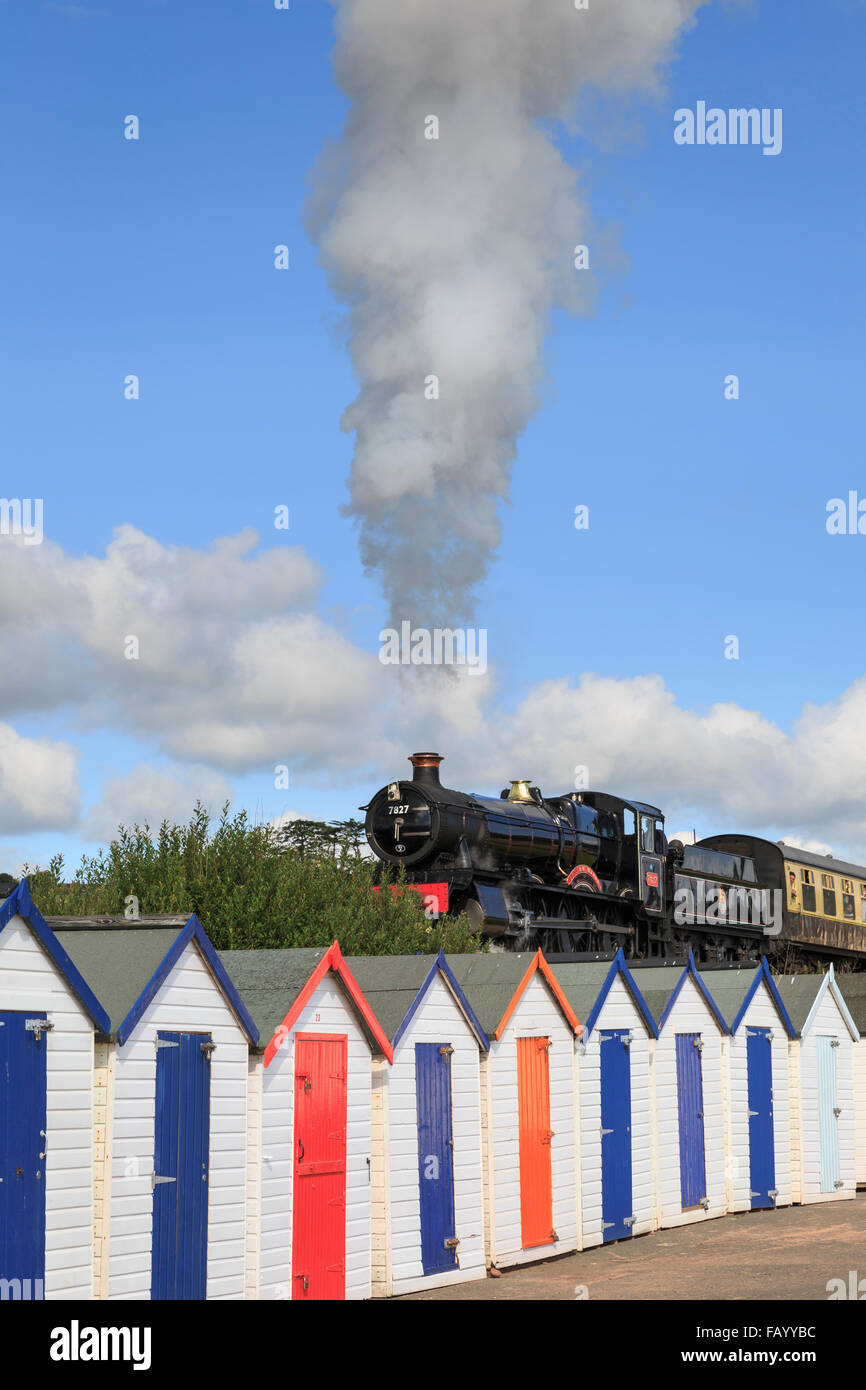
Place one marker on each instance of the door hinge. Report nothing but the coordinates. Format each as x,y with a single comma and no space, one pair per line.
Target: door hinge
165,1042
37,1026
754,1112
446,1051
452,1243
605,1131
154,1179
606,1225
208,1048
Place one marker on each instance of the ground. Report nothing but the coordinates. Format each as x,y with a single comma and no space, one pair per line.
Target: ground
790,1253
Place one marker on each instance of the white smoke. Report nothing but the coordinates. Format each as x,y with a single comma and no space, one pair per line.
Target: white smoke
450,253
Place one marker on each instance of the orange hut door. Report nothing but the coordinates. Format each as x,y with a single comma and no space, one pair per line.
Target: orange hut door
535,1134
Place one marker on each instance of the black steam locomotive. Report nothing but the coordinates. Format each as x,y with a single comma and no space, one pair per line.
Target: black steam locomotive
580,874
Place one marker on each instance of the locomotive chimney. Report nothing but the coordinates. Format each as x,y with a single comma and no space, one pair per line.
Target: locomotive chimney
426,768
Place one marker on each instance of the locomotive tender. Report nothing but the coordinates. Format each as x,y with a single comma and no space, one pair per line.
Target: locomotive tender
585,873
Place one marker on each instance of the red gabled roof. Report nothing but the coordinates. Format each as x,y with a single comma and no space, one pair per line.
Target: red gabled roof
331,960
538,963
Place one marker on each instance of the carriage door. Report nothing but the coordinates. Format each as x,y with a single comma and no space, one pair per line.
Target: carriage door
435,1156
690,1103
535,1134
23,1048
319,1191
617,1218
828,1114
762,1153
652,879
180,1163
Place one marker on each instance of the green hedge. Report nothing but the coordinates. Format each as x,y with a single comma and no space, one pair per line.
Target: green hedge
252,886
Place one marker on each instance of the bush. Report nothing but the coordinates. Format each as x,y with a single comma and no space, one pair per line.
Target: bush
253,886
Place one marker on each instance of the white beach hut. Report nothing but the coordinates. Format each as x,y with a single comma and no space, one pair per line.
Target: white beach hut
529,1109
755,1086
169,1108
853,987
48,1158
428,1197
310,1211
821,1060
689,1108
616,1191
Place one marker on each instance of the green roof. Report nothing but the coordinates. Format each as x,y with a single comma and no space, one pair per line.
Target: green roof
853,989
581,983
117,963
729,989
798,995
270,981
489,981
390,984
657,983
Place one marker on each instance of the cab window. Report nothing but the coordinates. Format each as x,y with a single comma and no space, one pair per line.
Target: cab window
647,835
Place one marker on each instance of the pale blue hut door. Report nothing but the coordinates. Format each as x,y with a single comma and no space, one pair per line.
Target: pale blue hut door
828,1114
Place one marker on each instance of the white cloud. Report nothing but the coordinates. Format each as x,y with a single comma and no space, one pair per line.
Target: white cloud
38,783
152,794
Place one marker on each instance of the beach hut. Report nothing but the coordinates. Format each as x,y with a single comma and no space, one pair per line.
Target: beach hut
48,1020
169,1108
689,1110
853,987
529,1109
821,1070
614,1058
428,1199
755,1085
309,1143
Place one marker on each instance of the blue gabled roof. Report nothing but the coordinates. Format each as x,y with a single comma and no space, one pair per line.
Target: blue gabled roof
619,967
691,971
396,986
20,904
764,975
586,985
441,967
193,931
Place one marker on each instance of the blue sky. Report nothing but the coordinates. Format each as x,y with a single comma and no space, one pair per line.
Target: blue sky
155,257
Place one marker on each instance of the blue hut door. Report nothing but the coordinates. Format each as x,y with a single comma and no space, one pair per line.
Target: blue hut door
181,1155
828,1114
690,1101
762,1150
435,1156
616,1195
23,1047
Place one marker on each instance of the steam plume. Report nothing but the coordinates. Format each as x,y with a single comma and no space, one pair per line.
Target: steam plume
450,253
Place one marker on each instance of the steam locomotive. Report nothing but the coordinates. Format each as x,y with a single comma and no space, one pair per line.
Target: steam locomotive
585,873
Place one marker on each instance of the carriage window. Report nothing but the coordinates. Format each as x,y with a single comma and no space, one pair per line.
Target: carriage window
848,906
647,835
808,890
828,884
863,902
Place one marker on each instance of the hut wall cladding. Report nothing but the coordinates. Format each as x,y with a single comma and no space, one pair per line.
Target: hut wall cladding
188,1001
858,1063
255,1080
619,1011
438,1020
761,1013
828,1022
690,1014
326,1012
29,980
536,1015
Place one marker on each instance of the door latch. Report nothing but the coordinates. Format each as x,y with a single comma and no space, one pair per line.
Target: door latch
37,1026
705,1203
208,1048
446,1051
452,1243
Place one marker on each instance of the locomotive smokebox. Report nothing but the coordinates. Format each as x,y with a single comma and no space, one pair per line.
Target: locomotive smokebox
426,769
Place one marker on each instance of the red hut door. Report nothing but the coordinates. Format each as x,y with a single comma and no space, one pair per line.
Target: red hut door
535,1134
319,1198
